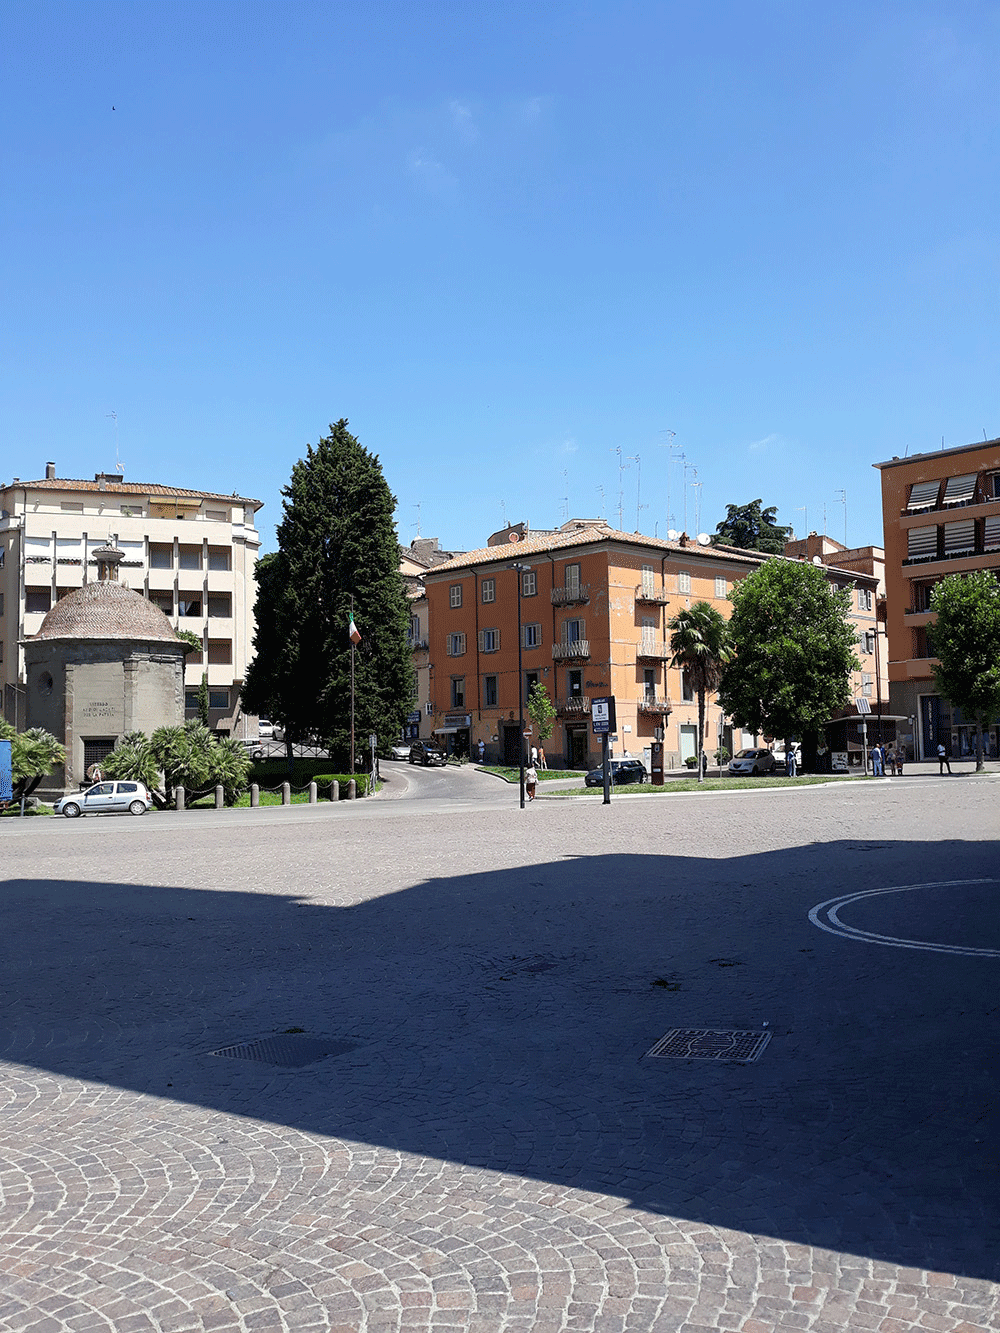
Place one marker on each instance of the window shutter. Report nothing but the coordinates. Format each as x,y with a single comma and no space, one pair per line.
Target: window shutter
496,640
921,543
923,495
960,490
482,640
991,533
461,644
959,537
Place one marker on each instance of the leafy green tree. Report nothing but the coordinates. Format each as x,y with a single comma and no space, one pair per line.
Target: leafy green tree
794,652
188,756
33,753
336,540
699,642
967,643
541,710
193,641
752,528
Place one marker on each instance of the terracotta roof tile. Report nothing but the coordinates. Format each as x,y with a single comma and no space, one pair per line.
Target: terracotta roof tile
132,488
106,610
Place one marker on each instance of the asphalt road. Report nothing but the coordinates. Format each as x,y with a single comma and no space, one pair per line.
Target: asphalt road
486,1143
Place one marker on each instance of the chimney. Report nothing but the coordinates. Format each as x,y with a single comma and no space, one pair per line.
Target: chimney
50,471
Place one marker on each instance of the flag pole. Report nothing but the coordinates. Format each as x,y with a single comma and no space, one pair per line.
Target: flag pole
352,687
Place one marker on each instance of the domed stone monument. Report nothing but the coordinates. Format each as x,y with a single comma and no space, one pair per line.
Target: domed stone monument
104,662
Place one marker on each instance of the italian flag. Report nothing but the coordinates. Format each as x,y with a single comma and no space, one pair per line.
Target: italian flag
352,631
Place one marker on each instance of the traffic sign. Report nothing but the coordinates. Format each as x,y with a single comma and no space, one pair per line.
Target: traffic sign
602,716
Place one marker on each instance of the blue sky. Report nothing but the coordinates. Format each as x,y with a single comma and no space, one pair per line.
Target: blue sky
504,240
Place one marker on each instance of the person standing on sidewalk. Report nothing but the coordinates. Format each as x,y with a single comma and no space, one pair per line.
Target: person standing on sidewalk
943,760
542,761
876,758
530,782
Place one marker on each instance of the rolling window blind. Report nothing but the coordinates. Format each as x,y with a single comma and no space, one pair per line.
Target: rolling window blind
991,533
959,537
960,490
921,543
923,495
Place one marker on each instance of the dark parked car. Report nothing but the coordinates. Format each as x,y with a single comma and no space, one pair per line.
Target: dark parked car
623,771
427,752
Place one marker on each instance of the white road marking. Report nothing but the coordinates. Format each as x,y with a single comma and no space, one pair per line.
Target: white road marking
826,917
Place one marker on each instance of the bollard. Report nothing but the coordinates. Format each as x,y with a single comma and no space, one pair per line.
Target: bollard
352,790
220,797
286,793
312,793
254,796
334,791
179,797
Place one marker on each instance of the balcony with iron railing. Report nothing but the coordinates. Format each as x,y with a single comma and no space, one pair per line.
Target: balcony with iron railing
653,703
652,648
575,592
564,652
645,592
577,705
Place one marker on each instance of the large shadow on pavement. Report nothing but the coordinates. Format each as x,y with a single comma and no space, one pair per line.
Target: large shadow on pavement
502,1019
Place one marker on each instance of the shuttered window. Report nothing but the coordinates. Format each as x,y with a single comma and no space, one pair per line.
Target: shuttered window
923,495
960,490
921,543
991,533
489,640
959,537
456,645
531,636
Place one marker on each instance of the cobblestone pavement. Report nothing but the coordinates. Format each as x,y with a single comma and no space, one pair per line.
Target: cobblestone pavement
489,1147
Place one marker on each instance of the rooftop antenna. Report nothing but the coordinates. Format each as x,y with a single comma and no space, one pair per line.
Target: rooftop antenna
688,467
805,518
601,489
622,469
675,455
984,434
565,501
824,518
119,468
942,441
503,511
841,496
696,487
638,486
417,508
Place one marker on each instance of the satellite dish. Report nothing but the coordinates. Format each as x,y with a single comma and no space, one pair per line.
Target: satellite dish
817,560
704,539
672,535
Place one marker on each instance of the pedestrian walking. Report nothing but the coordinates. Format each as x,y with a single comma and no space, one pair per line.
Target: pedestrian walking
530,782
542,761
791,762
482,750
534,755
875,754
943,760
881,755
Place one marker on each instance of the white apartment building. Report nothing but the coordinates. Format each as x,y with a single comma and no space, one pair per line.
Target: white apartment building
192,553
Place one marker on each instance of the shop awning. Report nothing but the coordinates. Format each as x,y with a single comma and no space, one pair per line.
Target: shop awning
448,731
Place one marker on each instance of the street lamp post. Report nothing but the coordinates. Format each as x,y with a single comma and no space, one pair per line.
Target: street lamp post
519,572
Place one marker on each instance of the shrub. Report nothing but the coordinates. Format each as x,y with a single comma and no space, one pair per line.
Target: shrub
324,780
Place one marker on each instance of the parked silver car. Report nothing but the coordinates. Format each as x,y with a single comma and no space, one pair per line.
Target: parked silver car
105,798
751,761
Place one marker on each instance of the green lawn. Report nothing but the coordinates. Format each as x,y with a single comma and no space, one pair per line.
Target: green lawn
709,785
513,774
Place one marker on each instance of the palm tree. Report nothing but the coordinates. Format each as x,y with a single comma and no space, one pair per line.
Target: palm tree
699,642
34,753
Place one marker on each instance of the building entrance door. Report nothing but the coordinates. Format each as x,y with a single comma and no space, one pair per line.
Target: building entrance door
511,745
689,741
576,739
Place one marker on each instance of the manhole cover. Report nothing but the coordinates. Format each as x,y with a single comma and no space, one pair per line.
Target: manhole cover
289,1052
711,1044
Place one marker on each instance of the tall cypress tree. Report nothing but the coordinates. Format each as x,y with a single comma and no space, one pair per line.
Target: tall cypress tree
337,539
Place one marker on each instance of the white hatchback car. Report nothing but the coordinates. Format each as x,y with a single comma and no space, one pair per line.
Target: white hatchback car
105,798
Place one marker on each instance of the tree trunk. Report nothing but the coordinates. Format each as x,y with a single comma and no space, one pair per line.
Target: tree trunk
979,745
701,735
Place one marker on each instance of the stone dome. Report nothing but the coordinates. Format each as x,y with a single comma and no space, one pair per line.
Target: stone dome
106,609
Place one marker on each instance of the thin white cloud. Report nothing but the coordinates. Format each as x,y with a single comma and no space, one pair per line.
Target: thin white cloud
766,442
433,175
461,119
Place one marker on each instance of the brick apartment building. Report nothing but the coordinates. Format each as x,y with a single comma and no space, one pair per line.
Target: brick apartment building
192,553
595,604
941,516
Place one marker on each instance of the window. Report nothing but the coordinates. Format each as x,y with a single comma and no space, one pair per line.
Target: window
574,683
530,681
959,537
489,640
132,511
190,557
864,599
458,691
923,495
720,586
869,641
959,490
220,604
220,652
1,603
991,489
161,556
687,687
649,684
866,684
414,632
490,692
991,533
218,557
71,507
921,543
532,636
455,594
489,587
456,645
189,606
217,515
191,701
529,584
37,599
164,600
683,581
573,580
572,631
648,585
218,698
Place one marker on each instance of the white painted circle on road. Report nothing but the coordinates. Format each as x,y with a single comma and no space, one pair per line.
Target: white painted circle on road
826,916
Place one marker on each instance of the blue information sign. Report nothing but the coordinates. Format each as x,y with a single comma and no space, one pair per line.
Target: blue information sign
6,773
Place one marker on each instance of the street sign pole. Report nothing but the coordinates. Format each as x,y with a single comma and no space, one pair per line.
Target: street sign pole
607,769
603,722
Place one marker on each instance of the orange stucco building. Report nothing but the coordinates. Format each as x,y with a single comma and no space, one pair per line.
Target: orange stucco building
941,516
595,604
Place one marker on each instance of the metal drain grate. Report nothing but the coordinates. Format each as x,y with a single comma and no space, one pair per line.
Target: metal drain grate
288,1052
711,1044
